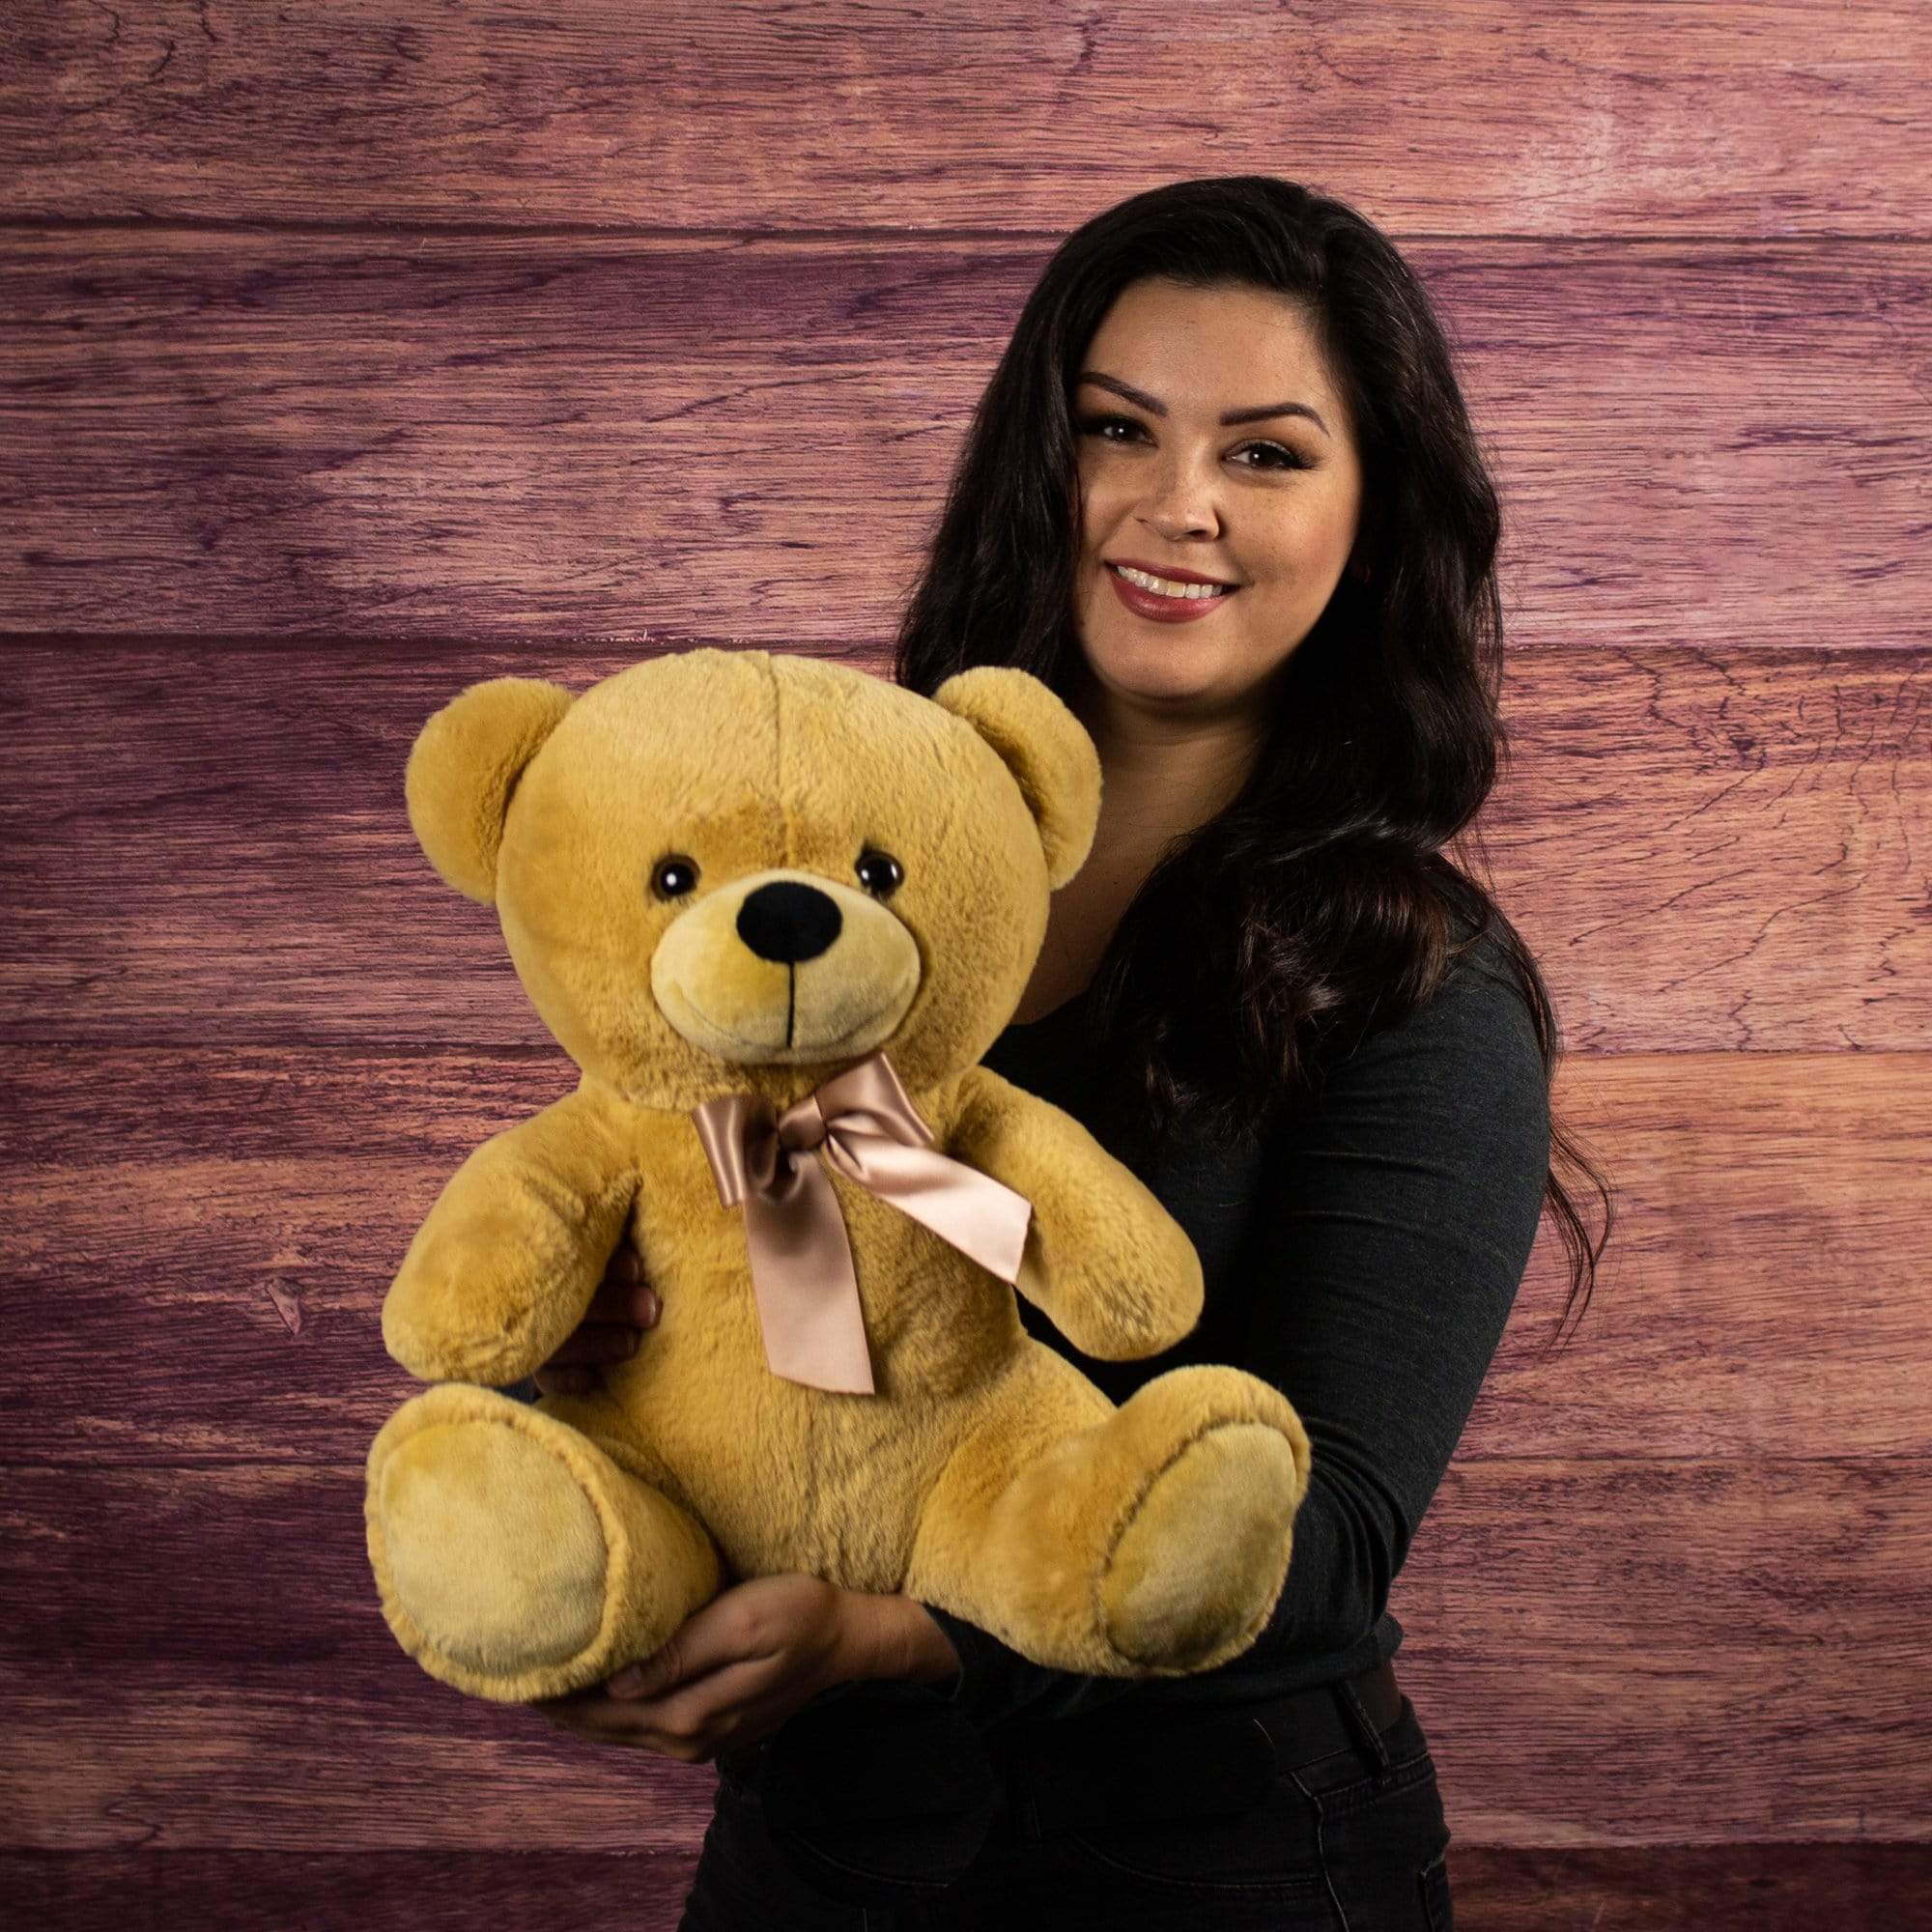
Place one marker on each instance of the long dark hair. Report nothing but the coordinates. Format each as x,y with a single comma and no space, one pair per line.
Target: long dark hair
1319,906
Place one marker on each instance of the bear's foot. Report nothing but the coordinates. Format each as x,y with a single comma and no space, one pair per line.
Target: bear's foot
1201,1563
516,1560
1149,1539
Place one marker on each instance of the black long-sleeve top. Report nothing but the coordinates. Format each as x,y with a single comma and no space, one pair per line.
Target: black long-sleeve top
1363,1257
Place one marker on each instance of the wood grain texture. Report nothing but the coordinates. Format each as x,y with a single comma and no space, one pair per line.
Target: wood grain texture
201,1240
1752,1632
1654,1888
1745,1888
513,437
1707,851
1601,1638
1760,118
605,1890
205,1656
1722,849
346,358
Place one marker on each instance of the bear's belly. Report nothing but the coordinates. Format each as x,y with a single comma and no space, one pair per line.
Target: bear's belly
791,1478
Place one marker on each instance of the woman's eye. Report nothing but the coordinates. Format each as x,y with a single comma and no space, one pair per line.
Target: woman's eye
1288,459
672,877
1281,457
879,872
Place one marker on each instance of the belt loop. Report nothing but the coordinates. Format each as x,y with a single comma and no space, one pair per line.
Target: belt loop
1372,1739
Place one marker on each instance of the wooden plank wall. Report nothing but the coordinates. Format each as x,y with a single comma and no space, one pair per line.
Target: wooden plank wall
351,353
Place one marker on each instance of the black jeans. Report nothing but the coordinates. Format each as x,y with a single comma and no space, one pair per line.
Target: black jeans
1350,1839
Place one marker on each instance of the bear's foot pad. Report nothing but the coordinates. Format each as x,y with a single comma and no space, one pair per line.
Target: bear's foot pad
1202,1562
494,1551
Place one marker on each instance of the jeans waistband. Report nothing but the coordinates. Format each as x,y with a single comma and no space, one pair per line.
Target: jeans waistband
1300,1727
1151,1761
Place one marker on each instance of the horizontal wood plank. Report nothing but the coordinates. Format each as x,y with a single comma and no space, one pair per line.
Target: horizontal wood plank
206,1663
201,1243
1675,1652
1772,119
511,438
1705,851
1745,1888
1711,850
1741,1887
196,1657
600,1888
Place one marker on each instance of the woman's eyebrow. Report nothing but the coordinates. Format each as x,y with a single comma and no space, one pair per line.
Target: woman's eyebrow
1142,400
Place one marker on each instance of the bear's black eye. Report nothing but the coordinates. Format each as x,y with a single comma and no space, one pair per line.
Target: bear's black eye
674,877
879,871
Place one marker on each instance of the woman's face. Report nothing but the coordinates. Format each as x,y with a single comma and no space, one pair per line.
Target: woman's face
1271,505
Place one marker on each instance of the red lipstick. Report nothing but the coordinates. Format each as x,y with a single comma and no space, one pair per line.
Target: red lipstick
1159,610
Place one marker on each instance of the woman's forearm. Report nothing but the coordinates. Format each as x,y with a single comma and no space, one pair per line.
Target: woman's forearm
897,1637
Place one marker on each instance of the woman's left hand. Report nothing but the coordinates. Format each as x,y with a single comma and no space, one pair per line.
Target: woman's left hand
731,1672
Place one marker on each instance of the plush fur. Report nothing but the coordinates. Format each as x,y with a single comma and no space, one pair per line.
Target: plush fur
523,1551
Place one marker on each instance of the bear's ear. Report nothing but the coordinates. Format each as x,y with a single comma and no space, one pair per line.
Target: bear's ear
464,766
1045,748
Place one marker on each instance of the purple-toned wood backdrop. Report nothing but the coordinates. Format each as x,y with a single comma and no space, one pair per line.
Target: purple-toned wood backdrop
351,355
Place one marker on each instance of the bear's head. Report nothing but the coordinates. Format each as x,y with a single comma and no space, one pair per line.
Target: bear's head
735,870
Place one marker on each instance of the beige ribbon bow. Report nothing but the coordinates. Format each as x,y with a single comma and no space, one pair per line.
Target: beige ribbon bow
863,1121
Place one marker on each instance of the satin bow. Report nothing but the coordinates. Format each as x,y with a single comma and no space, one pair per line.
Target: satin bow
863,1121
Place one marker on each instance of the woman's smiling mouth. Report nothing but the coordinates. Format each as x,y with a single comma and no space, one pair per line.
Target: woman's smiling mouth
1175,604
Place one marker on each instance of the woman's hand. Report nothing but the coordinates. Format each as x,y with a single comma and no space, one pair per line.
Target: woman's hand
619,1312
735,1670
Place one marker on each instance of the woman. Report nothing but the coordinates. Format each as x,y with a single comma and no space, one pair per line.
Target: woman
1272,996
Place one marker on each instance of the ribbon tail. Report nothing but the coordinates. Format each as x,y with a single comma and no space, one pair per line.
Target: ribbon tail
810,1312
981,1217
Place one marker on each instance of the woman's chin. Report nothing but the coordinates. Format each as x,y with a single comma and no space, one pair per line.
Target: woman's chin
1163,670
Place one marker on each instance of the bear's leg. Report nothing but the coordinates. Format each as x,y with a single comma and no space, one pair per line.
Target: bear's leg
1149,1539
514,1558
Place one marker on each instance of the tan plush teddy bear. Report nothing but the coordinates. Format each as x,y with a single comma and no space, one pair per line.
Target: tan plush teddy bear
775,909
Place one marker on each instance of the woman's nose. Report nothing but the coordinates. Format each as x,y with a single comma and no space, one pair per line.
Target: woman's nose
1180,502
1171,524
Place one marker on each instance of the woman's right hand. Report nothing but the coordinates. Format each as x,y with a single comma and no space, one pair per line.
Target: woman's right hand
613,1325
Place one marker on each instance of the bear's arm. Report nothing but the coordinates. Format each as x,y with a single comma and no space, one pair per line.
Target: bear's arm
1105,1261
505,1264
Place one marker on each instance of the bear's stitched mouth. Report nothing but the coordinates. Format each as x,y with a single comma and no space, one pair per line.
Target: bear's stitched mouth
828,1046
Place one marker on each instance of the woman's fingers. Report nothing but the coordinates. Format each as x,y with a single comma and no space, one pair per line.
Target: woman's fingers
621,1308
572,1370
625,1263
596,1342
623,1294
633,1305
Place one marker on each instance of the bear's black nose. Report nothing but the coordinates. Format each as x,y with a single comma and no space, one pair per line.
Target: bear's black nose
788,922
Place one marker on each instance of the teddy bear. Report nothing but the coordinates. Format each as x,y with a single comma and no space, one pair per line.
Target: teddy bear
775,909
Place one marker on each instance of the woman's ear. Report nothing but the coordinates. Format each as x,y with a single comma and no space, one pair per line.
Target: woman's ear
1045,748
464,766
